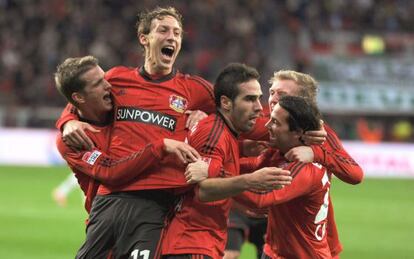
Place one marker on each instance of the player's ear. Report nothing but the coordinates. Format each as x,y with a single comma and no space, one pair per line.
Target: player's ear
298,134
78,97
226,103
143,39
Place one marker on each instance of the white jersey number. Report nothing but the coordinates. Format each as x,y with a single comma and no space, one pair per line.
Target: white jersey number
323,212
136,254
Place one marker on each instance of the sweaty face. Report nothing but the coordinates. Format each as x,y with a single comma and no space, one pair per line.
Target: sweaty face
96,94
162,45
280,135
246,106
280,88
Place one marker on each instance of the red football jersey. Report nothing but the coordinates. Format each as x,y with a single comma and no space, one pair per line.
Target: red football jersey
94,167
148,110
201,228
298,213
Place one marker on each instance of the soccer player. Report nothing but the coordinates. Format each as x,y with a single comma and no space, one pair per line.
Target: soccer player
82,82
198,230
298,213
331,154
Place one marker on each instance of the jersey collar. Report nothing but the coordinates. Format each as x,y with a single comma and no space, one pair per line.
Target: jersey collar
148,77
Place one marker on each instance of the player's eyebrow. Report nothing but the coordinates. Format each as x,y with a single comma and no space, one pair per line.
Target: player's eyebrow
98,81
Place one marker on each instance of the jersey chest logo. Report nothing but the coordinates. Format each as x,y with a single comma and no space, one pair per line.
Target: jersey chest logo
178,103
136,114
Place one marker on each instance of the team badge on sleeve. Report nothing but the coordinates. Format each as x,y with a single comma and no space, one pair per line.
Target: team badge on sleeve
178,103
91,157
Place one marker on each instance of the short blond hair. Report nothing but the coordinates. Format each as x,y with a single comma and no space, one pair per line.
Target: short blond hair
68,75
308,85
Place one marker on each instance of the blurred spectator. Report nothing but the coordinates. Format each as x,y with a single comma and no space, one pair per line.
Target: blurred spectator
402,131
371,132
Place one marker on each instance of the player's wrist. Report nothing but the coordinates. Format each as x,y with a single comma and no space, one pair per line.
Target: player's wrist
249,181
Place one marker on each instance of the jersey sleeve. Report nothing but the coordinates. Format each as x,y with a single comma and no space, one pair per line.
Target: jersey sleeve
334,157
201,95
249,164
68,113
102,167
213,154
210,145
303,182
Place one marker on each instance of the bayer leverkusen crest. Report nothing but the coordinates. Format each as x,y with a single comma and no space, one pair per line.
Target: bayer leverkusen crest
178,103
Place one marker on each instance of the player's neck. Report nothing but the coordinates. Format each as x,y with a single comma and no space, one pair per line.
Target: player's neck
294,143
227,118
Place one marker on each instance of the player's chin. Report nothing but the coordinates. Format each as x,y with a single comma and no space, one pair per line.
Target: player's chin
108,106
272,141
248,126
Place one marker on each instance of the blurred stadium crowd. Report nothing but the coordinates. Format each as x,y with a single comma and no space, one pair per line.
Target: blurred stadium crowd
269,35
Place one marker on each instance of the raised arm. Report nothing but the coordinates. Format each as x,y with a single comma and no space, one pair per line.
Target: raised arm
334,157
102,167
303,181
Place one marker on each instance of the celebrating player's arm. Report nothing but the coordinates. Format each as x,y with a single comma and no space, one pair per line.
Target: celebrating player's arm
267,178
305,178
217,188
99,165
330,154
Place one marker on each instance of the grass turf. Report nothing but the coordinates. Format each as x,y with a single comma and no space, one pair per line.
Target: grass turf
375,219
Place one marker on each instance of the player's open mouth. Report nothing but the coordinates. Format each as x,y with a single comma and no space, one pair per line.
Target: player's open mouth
253,118
107,97
167,51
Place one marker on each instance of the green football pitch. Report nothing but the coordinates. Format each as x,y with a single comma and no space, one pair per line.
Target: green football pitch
375,219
